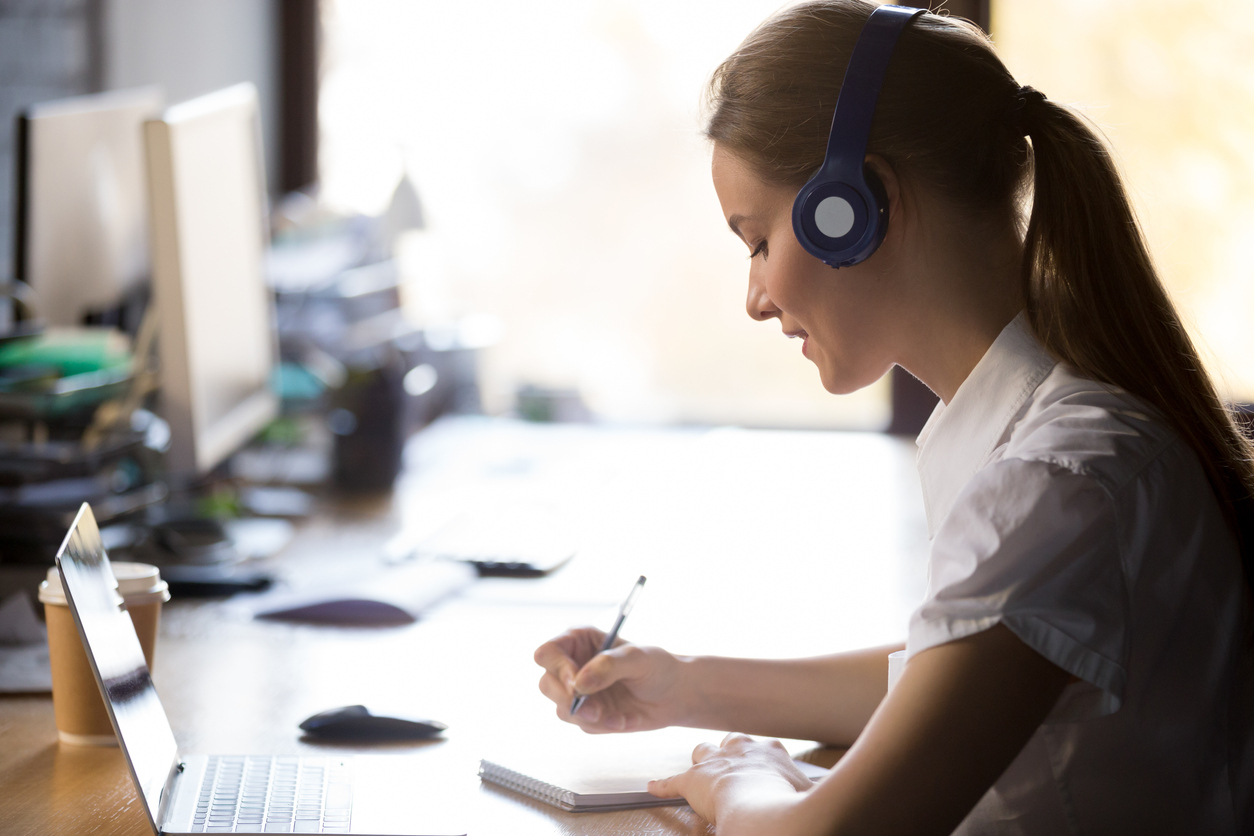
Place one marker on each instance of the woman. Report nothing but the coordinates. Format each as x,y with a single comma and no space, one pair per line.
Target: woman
1081,660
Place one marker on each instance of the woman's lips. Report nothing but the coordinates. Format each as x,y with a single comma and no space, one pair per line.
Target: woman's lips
803,336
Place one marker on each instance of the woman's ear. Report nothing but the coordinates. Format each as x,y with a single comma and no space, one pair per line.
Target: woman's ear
892,184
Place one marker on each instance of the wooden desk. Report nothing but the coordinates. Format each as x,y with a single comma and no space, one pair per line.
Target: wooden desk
755,543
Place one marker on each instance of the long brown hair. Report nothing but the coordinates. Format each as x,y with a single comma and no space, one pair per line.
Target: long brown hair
951,115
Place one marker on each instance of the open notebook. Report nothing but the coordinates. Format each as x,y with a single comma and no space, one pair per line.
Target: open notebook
604,772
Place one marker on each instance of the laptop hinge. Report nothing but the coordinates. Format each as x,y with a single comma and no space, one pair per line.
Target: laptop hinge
167,792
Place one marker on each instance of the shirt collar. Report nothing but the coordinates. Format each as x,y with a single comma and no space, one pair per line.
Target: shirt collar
959,437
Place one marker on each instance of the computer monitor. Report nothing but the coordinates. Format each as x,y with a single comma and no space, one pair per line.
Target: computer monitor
81,237
217,340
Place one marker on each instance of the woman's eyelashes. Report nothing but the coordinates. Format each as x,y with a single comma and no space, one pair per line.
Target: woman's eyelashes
758,249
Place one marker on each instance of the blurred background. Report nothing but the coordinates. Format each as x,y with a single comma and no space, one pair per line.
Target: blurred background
459,269
554,207
359,301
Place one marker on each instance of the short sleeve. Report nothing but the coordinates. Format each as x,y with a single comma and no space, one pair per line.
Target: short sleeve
1034,546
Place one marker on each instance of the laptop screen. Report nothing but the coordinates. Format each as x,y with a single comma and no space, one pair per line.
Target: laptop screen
109,637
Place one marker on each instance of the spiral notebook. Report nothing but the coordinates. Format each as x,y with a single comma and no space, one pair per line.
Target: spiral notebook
603,772
603,787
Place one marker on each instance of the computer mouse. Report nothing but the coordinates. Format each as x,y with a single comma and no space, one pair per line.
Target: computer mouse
355,722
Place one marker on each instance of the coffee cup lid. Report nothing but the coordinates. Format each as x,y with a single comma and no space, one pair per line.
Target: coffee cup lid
136,581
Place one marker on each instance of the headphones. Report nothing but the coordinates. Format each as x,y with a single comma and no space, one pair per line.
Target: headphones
840,216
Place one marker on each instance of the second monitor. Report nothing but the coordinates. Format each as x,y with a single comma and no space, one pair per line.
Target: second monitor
217,339
81,241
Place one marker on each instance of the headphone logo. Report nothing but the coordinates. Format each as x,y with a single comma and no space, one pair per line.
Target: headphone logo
840,216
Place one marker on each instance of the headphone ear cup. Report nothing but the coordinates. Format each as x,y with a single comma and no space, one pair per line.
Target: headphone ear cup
839,221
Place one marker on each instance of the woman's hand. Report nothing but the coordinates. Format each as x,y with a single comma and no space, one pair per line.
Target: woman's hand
753,781
629,688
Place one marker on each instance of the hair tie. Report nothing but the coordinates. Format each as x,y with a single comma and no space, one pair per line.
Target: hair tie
1022,101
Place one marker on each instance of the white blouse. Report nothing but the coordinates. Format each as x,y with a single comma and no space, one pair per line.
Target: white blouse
1063,509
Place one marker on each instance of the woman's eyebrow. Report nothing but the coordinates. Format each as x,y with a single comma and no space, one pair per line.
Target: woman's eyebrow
734,222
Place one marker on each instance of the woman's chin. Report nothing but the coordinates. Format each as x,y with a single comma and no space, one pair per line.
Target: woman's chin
841,382
843,386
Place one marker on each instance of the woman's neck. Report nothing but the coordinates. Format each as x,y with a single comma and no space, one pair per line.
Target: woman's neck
968,289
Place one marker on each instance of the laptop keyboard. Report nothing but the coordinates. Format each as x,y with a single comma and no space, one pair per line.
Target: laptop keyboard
246,794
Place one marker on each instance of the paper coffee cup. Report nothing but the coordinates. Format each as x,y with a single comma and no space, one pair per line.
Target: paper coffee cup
80,711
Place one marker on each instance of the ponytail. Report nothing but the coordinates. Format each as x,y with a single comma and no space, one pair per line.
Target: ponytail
951,115
1095,301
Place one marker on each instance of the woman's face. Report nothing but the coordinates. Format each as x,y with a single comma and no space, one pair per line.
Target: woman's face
842,317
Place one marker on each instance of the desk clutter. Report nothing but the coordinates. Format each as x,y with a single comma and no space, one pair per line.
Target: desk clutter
143,347
54,452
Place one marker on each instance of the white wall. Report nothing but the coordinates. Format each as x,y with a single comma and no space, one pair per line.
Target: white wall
191,47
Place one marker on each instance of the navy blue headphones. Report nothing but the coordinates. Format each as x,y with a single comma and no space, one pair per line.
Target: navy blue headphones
840,216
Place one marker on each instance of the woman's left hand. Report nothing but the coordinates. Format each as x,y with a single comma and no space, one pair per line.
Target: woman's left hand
737,774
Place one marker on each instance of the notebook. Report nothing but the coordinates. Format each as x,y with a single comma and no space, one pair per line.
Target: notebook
604,772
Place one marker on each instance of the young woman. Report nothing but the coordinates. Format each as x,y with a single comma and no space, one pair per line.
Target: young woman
1081,662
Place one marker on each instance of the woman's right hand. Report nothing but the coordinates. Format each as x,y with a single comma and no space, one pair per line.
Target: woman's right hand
629,688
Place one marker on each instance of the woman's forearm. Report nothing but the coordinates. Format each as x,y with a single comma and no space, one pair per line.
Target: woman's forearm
960,715
824,698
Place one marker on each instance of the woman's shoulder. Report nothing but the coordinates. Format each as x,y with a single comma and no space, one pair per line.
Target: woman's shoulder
1089,428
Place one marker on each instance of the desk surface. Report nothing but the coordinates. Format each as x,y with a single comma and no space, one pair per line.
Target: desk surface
755,543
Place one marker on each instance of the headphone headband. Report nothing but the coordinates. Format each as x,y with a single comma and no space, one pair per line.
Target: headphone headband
860,91
840,216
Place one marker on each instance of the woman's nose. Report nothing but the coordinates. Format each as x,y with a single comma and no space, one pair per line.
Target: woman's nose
759,304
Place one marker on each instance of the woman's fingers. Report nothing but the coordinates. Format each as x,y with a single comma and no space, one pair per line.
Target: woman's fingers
722,772
610,680
667,787
562,695
704,751
609,711
553,658
553,688
694,786
597,714
765,751
626,661
589,712
564,655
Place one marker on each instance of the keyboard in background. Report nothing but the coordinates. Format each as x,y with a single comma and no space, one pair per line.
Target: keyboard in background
527,541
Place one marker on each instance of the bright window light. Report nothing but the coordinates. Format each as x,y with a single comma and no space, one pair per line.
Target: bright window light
1171,84
556,147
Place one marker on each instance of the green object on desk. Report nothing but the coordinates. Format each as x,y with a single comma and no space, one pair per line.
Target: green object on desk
62,372
71,351
222,504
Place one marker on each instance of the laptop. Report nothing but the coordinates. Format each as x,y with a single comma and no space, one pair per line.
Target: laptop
185,793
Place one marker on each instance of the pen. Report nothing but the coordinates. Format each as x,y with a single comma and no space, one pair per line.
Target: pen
613,634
